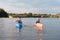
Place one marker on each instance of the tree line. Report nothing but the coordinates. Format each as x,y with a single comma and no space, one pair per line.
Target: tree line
3,13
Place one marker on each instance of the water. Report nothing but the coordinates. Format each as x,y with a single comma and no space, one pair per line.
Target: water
51,29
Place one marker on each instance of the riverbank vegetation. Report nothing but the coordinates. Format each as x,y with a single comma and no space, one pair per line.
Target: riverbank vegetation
35,15
3,13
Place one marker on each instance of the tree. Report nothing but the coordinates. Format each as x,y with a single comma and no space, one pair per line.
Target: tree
3,13
29,15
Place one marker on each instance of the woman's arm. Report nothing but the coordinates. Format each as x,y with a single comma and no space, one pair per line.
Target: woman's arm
16,20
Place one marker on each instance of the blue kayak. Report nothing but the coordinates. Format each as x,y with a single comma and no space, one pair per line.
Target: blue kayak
19,25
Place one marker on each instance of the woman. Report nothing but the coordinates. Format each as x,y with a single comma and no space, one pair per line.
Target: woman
38,24
19,24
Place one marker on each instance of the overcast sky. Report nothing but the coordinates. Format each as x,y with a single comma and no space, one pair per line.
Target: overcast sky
34,6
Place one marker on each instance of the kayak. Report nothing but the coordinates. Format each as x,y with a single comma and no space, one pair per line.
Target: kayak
38,26
18,25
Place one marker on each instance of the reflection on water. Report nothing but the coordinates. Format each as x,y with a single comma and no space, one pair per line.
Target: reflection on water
40,35
16,36
8,31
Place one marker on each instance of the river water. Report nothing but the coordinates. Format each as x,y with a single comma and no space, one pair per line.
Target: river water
51,29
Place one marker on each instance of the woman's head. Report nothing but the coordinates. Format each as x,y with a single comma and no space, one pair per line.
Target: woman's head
19,18
38,19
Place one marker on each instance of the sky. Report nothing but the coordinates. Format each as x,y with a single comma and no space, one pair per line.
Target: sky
34,6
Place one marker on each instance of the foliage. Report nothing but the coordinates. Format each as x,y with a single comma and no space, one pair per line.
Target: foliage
3,13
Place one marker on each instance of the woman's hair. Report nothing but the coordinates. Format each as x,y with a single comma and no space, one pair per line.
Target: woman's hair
38,21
